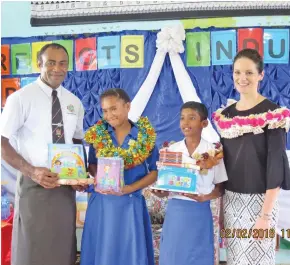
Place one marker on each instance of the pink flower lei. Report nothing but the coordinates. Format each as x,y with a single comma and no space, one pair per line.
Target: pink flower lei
254,123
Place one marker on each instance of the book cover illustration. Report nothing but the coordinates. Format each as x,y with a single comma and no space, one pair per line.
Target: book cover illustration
81,204
67,160
176,179
110,174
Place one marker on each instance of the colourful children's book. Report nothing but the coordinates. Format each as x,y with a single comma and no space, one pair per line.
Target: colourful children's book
68,161
110,174
176,179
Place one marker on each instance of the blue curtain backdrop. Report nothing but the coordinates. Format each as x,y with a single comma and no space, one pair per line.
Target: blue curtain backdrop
214,85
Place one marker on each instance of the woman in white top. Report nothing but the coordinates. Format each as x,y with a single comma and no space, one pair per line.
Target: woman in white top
187,233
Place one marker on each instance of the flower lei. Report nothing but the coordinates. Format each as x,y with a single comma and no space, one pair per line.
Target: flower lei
166,144
254,123
138,150
210,157
218,149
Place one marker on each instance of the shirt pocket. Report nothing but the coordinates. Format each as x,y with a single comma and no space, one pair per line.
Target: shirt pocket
70,125
38,120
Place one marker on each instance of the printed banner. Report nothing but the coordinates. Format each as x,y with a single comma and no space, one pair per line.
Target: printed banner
198,49
251,38
109,52
223,47
127,51
68,44
21,58
26,81
276,46
8,86
86,54
132,51
36,47
5,60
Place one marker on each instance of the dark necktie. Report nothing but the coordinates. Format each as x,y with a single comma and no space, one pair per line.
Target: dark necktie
56,121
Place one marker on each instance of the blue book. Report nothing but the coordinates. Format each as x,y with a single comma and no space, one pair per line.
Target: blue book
176,179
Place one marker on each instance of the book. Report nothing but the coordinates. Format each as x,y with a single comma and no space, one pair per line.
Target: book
166,156
81,204
110,174
176,179
67,160
184,165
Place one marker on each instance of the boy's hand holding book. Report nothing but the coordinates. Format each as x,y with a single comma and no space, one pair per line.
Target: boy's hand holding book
160,193
217,192
197,197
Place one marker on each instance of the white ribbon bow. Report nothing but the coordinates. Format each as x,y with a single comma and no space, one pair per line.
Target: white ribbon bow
170,39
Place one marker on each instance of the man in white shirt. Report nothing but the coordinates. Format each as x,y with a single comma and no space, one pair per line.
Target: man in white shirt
41,113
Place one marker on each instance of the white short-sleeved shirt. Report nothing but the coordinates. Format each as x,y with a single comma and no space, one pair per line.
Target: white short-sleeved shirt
205,183
27,116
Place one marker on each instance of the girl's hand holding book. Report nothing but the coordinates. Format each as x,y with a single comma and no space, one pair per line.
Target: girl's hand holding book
125,190
109,192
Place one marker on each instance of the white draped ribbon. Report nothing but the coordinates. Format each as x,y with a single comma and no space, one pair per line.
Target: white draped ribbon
169,40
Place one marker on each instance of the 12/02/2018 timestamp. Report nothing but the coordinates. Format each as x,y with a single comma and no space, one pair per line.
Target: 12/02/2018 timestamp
253,233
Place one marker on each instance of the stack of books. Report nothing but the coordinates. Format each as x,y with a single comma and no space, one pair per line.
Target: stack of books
174,175
170,157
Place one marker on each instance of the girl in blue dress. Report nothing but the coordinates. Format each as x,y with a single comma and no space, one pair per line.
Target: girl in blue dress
117,229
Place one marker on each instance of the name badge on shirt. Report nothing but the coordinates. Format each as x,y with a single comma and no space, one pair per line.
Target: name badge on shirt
71,109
